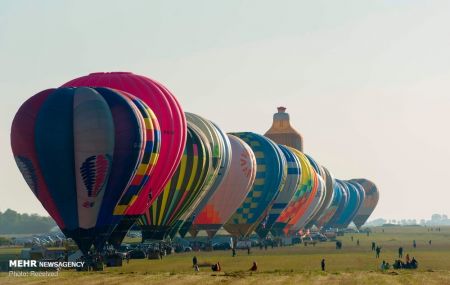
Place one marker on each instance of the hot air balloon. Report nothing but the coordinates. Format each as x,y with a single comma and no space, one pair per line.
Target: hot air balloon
173,137
350,209
188,180
79,149
231,192
330,211
329,192
361,195
301,199
370,201
270,177
317,198
320,199
282,132
342,205
221,149
291,185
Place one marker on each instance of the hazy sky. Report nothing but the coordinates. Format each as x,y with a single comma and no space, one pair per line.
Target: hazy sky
367,83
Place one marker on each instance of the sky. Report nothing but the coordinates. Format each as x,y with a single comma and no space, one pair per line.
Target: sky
367,83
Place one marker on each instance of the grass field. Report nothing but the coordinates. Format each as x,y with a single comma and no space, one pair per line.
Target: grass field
287,265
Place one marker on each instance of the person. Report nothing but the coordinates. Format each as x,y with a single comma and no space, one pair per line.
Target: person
400,252
127,256
357,242
414,243
398,264
429,242
414,263
378,250
248,249
387,266
367,233
351,238
254,266
407,258
194,261
322,264
373,246
234,251
216,267
383,264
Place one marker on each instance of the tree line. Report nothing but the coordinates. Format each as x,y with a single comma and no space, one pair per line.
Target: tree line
12,222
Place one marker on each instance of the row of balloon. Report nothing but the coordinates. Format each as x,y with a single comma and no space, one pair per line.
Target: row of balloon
108,150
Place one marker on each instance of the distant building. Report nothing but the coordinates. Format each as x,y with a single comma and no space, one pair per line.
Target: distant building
282,132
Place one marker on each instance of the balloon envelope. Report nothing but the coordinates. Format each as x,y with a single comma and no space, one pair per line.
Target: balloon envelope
221,152
330,211
233,190
78,149
370,201
285,196
301,199
172,122
270,175
361,195
342,204
186,183
328,197
350,209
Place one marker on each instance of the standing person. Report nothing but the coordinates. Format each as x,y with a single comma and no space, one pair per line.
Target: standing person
322,264
357,242
407,258
234,251
378,250
429,242
373,246
351,238
248,249
194,261
400,252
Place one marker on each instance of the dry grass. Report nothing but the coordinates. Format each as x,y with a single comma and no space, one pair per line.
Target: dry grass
288,265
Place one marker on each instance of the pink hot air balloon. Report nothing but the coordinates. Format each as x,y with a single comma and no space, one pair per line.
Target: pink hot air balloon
172,122
173,137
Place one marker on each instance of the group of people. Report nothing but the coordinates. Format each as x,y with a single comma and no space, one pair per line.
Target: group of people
409,264
398,263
